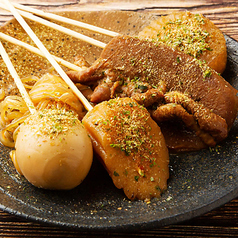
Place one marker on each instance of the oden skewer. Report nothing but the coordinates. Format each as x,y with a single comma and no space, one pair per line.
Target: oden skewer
42,156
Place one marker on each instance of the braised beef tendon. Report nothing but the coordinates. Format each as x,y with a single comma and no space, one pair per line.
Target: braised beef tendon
131,147
130,67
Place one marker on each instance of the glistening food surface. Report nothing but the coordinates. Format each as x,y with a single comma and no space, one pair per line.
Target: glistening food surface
96,203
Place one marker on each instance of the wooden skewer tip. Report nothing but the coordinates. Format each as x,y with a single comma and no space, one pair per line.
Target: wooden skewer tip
17,80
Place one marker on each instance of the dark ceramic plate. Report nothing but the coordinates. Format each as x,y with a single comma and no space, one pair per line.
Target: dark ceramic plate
199,181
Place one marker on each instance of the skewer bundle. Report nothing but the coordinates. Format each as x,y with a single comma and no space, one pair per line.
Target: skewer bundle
63,171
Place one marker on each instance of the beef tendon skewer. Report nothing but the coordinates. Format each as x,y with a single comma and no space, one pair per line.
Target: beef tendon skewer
192,33
129,66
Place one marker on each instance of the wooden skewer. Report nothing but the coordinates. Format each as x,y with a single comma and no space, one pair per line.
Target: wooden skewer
39,44
57,27
17,80
38,52
65,20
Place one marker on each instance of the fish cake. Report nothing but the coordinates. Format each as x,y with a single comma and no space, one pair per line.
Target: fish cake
131,147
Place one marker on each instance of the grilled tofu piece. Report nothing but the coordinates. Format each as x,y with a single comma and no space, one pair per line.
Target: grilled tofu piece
131,147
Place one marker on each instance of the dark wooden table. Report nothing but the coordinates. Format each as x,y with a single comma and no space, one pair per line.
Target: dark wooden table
222,222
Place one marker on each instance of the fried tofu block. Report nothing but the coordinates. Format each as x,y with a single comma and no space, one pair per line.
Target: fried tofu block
191,33
131,147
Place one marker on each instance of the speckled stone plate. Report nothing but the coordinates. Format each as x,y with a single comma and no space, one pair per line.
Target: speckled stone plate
199,181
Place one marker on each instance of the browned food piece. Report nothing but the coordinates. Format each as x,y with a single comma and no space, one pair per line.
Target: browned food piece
194,34
151,96
206,119
81,62
136,66
130,146
172,110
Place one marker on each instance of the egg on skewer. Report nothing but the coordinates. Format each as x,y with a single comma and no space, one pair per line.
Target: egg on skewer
62,176
53,150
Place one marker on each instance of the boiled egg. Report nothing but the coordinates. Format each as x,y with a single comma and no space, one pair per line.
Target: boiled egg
53,149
